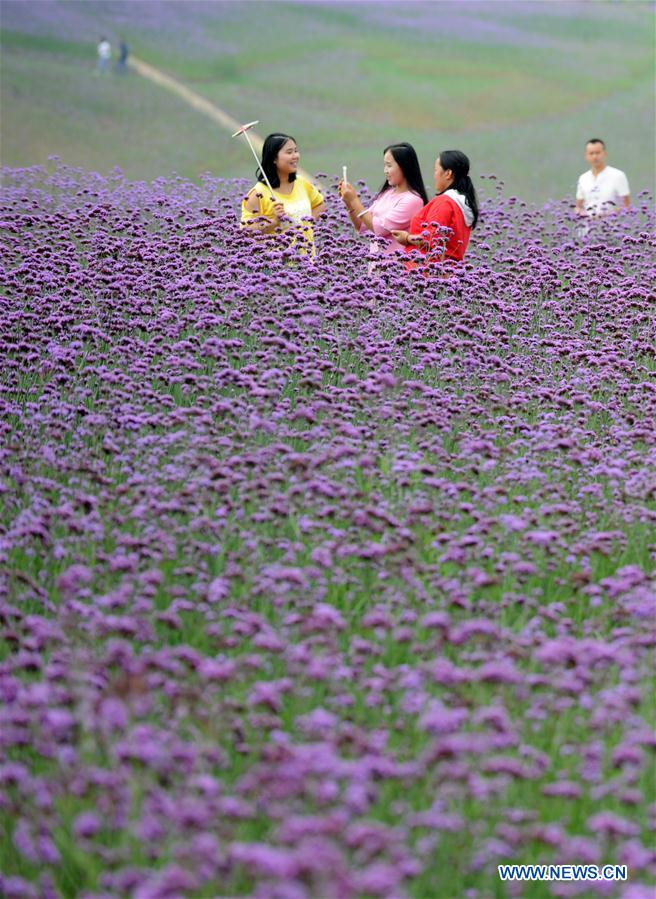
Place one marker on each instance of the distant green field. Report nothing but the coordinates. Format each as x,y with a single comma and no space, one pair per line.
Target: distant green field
518,87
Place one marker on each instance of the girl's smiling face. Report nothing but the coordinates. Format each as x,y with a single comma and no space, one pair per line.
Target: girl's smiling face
392,170
288,158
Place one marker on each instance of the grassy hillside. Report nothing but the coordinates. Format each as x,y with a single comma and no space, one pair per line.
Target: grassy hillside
53,103
518,86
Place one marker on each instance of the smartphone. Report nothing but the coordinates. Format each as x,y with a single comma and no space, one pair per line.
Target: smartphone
344,178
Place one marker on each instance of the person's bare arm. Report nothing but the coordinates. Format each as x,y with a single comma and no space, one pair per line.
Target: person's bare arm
367,220
409,240
627,201
318,210
580,208
354,207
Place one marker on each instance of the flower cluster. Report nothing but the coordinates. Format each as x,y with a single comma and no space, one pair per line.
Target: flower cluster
317,584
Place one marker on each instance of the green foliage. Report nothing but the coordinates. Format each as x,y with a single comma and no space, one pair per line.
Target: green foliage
345,84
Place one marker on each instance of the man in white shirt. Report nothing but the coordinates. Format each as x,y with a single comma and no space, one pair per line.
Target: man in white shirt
603,189
104,56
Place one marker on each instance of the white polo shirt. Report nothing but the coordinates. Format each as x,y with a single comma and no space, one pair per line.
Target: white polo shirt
603,192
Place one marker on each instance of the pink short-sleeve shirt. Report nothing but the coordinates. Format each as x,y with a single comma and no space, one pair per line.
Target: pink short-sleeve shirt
392,211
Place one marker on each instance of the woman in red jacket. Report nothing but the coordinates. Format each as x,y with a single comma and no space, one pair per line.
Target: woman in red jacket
441,229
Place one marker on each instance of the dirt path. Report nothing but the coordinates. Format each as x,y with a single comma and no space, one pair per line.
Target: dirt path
199,103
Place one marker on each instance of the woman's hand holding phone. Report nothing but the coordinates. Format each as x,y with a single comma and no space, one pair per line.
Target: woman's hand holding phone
347,193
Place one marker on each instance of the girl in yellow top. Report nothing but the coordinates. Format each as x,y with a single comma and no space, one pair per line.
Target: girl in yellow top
293,198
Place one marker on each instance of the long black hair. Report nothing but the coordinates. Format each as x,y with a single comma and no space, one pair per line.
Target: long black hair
272,146
406,159
459,165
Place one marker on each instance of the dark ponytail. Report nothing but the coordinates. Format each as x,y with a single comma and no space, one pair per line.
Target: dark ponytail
458,163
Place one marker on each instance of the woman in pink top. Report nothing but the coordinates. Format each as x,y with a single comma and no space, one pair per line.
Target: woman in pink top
402,195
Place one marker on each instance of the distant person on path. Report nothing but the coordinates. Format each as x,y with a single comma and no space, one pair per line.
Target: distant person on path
440,231
603,189
104,50
402,195
295,200
123,52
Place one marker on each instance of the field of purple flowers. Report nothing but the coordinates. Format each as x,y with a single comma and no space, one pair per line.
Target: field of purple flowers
317,585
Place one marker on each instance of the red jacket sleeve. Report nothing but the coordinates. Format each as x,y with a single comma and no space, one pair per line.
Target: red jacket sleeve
431,222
